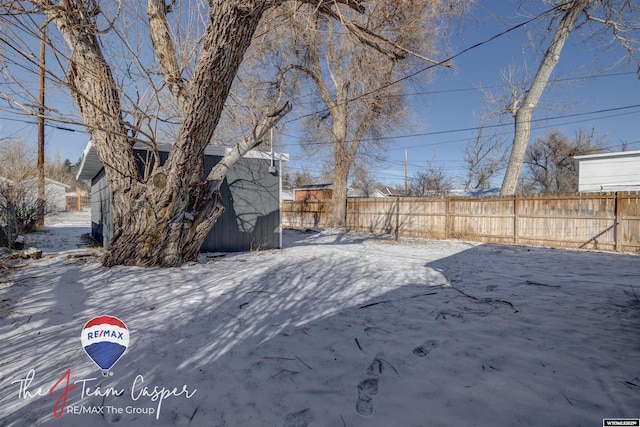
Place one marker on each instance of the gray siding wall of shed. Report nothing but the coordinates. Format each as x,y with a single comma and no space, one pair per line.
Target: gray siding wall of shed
101,214
251,220
251,196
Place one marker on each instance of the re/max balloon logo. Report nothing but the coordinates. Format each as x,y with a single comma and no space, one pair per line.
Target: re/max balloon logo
105,339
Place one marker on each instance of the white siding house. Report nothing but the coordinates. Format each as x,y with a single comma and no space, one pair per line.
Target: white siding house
55,193
608,172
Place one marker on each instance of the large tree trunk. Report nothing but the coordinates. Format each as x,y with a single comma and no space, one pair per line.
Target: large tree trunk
338,209
342,160
522,127
164,220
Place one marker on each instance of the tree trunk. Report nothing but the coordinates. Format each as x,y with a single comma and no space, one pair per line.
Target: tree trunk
146,233
522,128
338,210
342,161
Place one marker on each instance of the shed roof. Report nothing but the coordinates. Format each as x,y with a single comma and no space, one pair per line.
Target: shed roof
90,164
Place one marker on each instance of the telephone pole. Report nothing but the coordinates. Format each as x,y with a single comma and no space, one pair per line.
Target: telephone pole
41,186
406,173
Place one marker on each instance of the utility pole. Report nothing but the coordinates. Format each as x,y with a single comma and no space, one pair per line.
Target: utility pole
41,186
406,173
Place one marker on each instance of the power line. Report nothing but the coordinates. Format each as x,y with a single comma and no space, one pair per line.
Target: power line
32,122
567,79
444,61
470,89
475,128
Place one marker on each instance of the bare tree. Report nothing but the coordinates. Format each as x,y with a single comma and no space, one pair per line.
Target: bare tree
300,179
162,216
485,157
357,104
364,179
19,201
17,160
550,166
618,17
433,182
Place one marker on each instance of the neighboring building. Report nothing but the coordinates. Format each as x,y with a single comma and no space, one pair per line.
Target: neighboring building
286,195
250,193
608,172
54,193
314,192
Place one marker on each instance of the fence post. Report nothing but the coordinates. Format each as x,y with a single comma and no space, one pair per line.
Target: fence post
515,219
447,218
617,226
397,216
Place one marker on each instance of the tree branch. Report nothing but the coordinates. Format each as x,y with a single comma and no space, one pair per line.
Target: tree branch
251,141
165,51
381,44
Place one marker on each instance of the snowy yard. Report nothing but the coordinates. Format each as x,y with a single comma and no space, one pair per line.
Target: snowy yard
334,330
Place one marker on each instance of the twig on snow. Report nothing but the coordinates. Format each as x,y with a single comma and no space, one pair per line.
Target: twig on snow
283,371
390,365
302,361
398,299
631,383
421,295
194,413
485,300
375,303
277,358
529,282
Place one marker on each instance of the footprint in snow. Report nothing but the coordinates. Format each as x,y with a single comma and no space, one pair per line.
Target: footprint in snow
426,348
298,419
366,390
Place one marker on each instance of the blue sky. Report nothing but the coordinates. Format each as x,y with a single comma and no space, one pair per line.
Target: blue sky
453,100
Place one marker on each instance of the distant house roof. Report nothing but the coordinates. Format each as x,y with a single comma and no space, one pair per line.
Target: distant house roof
385,191
35,180
379,191
90,164
314,187
480,192
53,182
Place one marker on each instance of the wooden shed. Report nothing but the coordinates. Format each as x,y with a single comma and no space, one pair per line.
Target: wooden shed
251,195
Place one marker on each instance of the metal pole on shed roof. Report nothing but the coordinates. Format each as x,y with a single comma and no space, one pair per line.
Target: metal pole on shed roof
271,143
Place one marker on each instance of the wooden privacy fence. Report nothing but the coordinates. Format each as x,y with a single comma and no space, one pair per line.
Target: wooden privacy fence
78,202
606,222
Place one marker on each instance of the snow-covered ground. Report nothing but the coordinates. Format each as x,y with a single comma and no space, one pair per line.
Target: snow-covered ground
333,330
